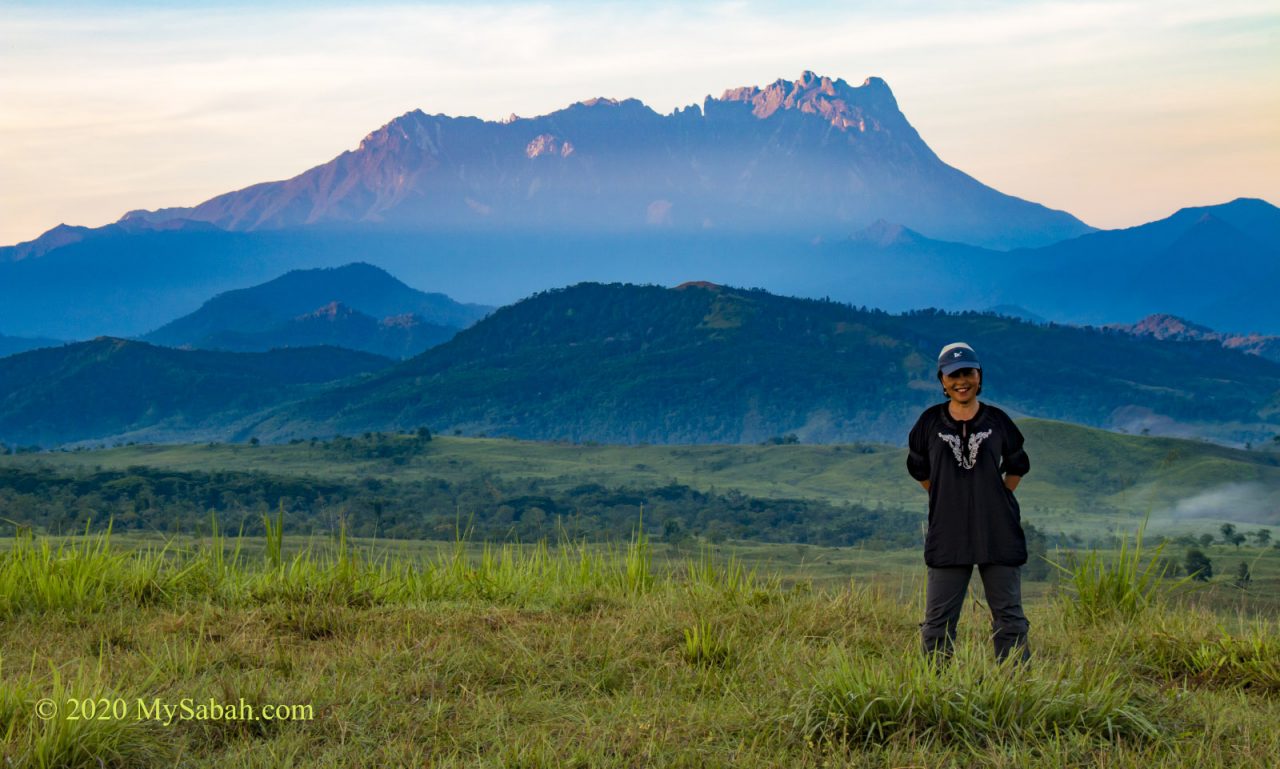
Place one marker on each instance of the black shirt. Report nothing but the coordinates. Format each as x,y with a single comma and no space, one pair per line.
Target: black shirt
973,518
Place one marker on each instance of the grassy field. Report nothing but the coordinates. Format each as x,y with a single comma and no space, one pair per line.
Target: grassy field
1082,480
135,651
457,654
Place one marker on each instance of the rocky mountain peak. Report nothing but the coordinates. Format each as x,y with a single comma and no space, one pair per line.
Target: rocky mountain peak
1165,326
846,107
412,128
1171,327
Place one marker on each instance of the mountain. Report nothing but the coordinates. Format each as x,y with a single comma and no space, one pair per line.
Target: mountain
894,268
1163,326
10,345
125,283
357,306
707,363
738,189
1215,263
66,235
808,188
337,325
117,389
814,156
132,284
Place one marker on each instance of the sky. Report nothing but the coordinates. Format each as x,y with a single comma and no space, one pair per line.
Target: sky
1118,112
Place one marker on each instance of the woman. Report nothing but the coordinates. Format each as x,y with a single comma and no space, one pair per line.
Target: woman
968,455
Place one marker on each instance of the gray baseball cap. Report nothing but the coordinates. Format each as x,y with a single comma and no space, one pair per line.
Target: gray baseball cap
957,355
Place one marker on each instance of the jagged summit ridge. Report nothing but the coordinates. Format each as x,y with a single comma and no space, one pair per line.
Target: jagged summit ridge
811,93
845,107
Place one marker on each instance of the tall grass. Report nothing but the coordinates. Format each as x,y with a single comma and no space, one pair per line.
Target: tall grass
706,645
274,538
729,578
638,573
1121,585
536,647
219,564
64,743
86,573
972,701
1193,652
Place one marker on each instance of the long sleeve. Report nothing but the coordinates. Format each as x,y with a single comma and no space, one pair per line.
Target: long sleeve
1014,461
918,449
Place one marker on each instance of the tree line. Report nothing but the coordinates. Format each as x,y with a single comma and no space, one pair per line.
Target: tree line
180,502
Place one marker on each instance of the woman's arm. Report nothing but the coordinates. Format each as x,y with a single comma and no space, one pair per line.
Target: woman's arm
1014,464
918,452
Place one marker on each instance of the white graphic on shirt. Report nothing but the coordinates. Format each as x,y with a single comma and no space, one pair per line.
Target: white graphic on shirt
975,440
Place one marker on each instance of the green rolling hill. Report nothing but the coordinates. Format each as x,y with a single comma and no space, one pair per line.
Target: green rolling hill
703,363
116,389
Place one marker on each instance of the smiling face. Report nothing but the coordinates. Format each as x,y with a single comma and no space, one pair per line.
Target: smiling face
962,385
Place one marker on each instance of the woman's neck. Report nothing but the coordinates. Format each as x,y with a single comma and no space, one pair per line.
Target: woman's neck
963,411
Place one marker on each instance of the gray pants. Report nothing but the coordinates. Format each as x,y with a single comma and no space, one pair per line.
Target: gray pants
944,597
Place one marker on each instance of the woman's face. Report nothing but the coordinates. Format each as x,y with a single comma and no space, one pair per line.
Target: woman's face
962,384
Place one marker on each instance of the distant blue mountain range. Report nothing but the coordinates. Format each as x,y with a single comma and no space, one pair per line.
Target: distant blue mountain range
1217,265
10,345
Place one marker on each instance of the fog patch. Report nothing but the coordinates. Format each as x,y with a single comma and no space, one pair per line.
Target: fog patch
1241,501
1139,420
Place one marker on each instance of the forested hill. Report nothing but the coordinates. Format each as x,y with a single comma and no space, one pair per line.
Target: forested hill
706,363
114,388
356,306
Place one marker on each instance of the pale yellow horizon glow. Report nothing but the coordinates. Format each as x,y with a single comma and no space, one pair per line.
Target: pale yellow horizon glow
1118,112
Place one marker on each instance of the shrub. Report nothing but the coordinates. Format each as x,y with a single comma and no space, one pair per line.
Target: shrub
1198,565
1243,577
